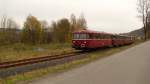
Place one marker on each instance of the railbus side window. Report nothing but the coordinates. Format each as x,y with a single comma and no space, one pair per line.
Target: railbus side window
91,36
87,36
94,36
101,37
104,36
97,36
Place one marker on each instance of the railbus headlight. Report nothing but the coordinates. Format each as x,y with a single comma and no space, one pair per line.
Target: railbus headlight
74,41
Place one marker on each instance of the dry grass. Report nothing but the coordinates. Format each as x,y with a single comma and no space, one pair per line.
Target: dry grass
22,51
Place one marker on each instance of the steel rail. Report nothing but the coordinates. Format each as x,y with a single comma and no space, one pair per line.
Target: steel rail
9,64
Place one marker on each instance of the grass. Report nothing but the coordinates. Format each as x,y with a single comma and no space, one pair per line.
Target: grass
64,67
22,51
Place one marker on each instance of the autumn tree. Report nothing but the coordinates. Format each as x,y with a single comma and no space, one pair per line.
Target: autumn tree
61,30
144,9
32,30
46,36
54,31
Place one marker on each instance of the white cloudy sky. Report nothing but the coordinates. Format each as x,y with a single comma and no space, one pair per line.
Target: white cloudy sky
114,16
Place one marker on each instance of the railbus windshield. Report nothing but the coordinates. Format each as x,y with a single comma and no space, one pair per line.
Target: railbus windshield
80,36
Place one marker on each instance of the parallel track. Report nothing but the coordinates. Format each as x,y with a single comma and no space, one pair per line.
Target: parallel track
16,63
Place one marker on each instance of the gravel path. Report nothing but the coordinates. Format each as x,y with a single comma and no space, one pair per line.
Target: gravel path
131,66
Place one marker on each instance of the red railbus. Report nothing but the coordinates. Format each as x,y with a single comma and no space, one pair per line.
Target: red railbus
86,39
119,40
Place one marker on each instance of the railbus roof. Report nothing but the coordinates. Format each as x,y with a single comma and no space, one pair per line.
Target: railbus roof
91,32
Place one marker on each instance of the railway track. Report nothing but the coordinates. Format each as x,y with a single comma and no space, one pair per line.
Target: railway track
16,63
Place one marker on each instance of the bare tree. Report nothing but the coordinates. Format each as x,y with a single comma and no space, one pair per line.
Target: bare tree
12,24
73,22
32,30
9,31
61,30
8,22
44,24
3,21
81,22
143,9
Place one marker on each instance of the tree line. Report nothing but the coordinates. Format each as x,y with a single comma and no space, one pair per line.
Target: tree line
35,31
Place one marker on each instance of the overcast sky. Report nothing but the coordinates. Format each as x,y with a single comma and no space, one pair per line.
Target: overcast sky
114,16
